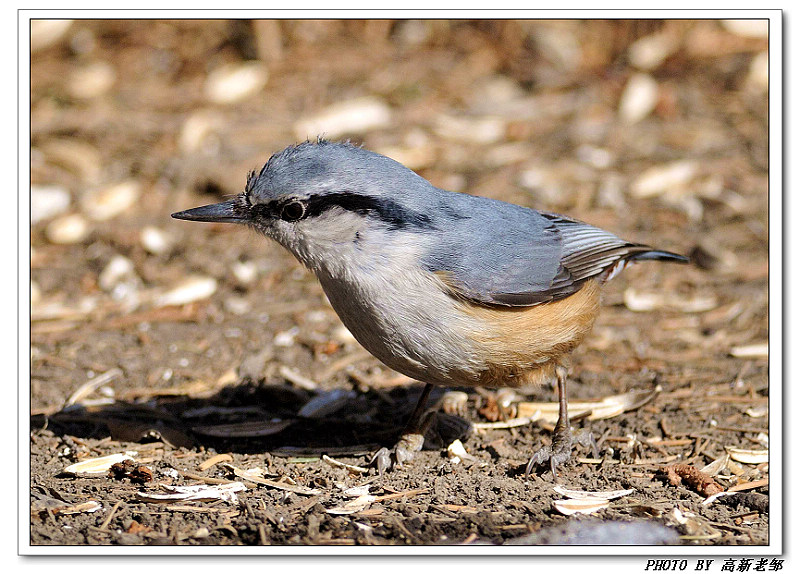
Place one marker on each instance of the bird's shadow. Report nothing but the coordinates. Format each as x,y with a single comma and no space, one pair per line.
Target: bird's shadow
248,418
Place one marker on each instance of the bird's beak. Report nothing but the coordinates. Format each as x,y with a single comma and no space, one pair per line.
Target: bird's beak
226,212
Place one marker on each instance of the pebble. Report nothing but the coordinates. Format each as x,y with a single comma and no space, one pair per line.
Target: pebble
479,130
45,33
660,179
495,90
200,130
192,289
343,335
118,269
67,229
36,293
412,32
245,272
649,52
79,157
562,47
351,117
748,28
233,83
48,201
456,452
751,351
638,99
285,338
413,157
596,157
155,240
643,301
758,75
107,203
91,81
237,305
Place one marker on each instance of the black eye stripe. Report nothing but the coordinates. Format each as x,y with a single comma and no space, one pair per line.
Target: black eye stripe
386,210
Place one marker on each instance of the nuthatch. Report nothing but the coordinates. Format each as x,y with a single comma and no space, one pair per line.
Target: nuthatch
446,288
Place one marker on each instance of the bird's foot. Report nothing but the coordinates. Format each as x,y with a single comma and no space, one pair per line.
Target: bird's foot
436,430
402,452
560,450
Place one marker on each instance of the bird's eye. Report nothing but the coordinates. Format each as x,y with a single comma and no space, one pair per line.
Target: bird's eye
293,211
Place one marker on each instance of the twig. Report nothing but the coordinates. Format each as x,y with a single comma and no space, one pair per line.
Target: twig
107,521
89,386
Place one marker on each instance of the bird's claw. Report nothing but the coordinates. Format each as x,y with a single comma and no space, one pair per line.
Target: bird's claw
560,450
404,451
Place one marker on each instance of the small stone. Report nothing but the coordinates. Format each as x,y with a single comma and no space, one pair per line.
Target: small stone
48,201
36,293
649,52
200,131
79,157
660,179
92,81
233,83
343,335
46,33
285,338
192,289
596,157
107,203
117,270
416,157
638,99
67,230
237,305
758,75
751,351
245,272
756,28
479,130
352,117
155,240
412,32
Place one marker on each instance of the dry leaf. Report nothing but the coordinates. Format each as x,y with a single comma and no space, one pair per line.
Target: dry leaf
748,456
99,466
252,477
579,505
353,506
751,351
195,492
604,408
600,495
80,508
716,467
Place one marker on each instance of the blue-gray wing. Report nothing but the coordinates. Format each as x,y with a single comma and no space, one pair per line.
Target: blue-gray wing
522,257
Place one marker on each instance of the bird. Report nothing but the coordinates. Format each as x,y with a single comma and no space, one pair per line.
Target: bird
448,288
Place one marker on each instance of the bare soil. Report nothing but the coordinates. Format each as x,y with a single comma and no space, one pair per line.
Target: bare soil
266,341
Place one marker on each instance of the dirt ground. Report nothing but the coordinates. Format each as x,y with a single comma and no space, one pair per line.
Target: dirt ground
196,349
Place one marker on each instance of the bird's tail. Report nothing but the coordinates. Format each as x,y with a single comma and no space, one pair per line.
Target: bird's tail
639,253
656,255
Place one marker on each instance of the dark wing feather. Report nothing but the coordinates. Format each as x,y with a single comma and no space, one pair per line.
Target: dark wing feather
534,257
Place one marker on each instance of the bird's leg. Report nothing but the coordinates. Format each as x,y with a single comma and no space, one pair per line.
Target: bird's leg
412,438
561,448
